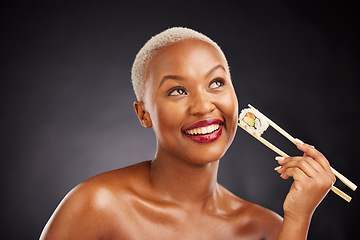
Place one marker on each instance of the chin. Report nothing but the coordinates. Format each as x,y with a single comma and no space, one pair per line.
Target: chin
206,155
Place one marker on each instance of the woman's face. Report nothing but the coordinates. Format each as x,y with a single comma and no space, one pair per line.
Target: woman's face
191,101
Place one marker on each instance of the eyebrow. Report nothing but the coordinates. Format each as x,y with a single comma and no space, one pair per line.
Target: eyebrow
215,68
176,77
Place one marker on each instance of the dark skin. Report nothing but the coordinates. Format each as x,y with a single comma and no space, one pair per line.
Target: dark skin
176,195
123,204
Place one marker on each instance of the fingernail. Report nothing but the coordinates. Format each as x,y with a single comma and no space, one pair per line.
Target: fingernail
277,168
298,141
278,158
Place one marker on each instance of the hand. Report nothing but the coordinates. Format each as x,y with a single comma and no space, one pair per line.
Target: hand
313,179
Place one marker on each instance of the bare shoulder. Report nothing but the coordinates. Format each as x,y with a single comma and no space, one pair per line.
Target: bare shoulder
253,219
90,205
117,180
100,191
265,217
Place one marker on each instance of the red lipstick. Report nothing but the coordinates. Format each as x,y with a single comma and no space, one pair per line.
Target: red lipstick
208,137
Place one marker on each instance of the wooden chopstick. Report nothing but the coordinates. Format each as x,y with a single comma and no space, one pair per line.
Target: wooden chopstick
342,178
275,126
283,154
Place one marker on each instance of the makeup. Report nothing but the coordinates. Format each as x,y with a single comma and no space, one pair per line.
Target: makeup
204,131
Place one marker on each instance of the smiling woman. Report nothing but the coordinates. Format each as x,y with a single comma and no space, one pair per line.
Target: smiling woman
182,82
199,94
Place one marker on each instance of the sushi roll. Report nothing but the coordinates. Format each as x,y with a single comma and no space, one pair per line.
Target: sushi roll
253,121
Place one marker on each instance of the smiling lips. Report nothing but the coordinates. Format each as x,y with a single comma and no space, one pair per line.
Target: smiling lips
205,131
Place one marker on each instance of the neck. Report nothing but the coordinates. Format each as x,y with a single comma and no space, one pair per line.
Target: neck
181,181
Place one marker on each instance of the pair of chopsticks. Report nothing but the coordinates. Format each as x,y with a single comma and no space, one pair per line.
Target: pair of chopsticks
342,178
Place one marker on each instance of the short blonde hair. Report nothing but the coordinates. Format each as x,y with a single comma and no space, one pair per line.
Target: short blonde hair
161,40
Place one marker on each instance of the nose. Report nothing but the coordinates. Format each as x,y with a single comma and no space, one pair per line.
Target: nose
201,104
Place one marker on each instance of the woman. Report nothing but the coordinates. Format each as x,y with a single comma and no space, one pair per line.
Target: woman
182,82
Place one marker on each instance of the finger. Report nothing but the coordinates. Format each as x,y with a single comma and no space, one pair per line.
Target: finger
281,160
296,173
310,151
307,165
310,161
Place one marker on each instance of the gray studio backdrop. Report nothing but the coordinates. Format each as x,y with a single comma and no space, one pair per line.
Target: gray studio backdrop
66,97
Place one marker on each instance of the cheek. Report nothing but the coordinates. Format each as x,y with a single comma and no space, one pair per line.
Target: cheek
167,118
229,106
230,110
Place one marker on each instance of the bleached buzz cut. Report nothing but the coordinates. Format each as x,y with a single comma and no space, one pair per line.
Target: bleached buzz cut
157,42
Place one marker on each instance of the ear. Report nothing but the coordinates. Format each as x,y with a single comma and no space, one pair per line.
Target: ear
143,115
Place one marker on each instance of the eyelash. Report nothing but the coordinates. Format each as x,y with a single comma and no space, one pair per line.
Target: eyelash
222,82
184,92
177,89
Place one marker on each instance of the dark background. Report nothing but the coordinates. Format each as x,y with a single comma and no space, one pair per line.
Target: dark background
66,97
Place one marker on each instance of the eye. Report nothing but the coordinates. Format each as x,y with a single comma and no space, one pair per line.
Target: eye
217,82
177,91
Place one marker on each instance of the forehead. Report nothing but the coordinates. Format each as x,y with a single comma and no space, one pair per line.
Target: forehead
185,56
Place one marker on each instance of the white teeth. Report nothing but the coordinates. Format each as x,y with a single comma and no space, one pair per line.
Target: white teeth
210,128
203,130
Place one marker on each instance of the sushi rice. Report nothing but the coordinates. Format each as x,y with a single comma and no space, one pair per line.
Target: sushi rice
260,122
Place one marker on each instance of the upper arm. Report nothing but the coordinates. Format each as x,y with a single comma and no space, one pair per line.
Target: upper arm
77,217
